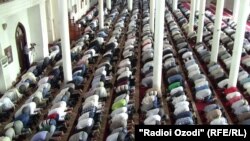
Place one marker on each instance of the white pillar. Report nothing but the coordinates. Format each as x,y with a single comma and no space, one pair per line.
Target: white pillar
236,9
238,43
197,6
158,44
130,5
108,4
69,5
64,31
101,14
175,5
44,29
192,16
201,20
51,32
152,15
217,30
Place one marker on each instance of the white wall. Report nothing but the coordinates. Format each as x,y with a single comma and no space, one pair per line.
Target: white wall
53,18
27,13
35,20
13,68
12,13
229,4
81,10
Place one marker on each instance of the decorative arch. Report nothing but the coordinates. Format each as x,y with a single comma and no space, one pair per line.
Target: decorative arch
21,42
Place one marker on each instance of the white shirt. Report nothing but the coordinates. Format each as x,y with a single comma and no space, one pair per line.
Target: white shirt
181,104
88,104
104,64
193,73
181,109
107,53
83,116
60,111
147,55
242,75
122,88
100,71
90,51
147,81
121,70
7,103
246,85
60,95
147,65
193,67
129,47
53,54
124,63
153,112
242,109
124,74
152,120
203,93
123,96
43,81
37,94
167,55
31,105
127,53
94,98
42,86
30,76
219,121
151,92
147,47
223,83
239,103
186,55
232,95
12,94
177,89
101,91
119,111
84,123
60,104
201,83
148,100
179,99
113,137
31,69
120,117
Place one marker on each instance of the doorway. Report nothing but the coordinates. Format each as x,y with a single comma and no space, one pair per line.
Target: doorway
21,42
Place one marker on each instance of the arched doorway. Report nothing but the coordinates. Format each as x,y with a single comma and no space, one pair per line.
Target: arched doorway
21,42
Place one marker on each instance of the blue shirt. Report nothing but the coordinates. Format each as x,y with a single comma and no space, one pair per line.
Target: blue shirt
24,118
201,88
184,114
175,78
184,121
78,80
40,136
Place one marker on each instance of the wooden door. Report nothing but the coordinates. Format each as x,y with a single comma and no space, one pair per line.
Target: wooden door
20,44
